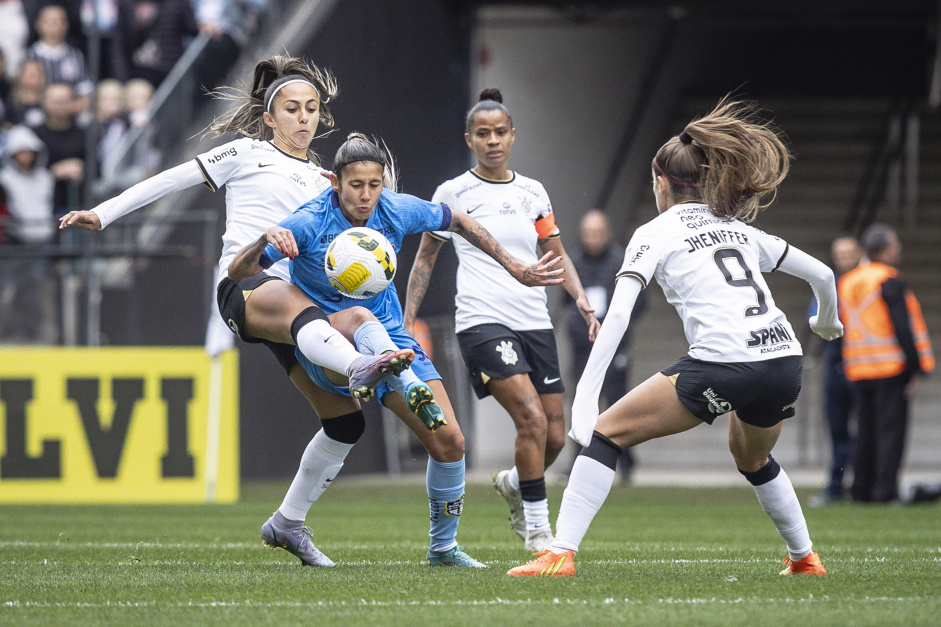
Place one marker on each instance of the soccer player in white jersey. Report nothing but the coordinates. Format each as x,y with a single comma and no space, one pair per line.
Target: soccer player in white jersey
269,173
744,359
502,326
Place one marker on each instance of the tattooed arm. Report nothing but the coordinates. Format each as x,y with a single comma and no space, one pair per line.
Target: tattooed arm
419,278
540,273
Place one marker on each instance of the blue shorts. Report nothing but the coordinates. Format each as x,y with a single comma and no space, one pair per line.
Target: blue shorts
422,366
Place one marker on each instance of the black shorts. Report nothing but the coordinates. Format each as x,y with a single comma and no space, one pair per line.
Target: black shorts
231,297
762,393
492,351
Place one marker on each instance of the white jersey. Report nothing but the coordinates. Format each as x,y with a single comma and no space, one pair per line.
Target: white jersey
517,213
263,185
710,270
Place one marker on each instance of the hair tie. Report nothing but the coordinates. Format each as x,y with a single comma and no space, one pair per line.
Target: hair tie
278,88
685,138
670,178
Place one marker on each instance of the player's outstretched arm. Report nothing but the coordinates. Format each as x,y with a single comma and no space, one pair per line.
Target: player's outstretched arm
826,323
248,260
544,272
585,405
573,284
419,278
169,181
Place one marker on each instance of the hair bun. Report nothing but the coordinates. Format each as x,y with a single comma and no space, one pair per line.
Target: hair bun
491,93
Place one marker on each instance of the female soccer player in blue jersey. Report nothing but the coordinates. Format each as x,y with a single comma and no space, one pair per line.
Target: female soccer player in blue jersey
358,198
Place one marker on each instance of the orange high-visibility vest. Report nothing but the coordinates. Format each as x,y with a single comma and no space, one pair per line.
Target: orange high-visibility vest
870,347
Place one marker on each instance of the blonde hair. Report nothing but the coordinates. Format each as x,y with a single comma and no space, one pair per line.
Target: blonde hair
730,159
358,147
246,118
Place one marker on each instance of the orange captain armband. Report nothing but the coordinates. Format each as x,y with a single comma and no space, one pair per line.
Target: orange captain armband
545,226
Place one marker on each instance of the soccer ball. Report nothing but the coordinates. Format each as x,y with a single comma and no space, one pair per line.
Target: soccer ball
360,262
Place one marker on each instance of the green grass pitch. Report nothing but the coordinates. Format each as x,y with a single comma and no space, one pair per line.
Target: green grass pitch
660,556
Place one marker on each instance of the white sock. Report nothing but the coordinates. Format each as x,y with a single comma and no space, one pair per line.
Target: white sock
373,339
779,501
537,514
514,478
325,346
588,487
320,464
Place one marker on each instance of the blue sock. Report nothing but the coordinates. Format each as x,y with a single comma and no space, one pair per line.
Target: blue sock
445,483
372,339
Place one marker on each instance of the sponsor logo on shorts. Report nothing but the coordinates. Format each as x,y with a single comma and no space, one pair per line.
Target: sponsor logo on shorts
548,381
507,353
791,406
234,327
717,405
454,508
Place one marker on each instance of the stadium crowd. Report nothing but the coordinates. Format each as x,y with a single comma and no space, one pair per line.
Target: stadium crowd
54,108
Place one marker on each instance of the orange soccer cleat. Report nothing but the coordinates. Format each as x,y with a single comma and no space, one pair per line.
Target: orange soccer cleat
809,565
548,564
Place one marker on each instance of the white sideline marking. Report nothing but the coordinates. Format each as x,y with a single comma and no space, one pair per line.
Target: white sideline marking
455,603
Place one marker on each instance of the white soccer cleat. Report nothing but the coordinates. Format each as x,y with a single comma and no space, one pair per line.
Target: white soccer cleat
513,497
539,540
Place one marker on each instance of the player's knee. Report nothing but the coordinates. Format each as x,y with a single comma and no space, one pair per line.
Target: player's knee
555,442
347,428
360,315
307,316
449,447
531,422
761,472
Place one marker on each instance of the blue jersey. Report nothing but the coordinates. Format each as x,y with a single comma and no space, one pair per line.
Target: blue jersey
316,223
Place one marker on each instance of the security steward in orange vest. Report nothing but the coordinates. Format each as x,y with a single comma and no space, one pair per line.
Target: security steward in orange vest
886,351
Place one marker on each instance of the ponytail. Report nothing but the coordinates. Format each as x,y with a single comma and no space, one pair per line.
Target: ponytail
729,159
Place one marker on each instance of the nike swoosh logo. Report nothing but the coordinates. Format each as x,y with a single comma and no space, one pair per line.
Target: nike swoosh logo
547,380
470,211
265,165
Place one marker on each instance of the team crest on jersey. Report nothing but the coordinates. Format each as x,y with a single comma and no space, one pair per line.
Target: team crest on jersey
454,508
507,353
717,405
527,208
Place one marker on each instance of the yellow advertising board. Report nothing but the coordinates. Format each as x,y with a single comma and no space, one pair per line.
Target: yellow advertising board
118,425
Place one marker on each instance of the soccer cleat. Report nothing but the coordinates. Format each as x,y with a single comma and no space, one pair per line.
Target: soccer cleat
809,565
452,557
374,369
299,543
421,402
548,564
538,540
502,485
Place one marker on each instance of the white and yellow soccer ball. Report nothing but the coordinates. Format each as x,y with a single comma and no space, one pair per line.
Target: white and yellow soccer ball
360,262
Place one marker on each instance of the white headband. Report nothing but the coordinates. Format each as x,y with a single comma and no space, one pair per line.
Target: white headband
278,88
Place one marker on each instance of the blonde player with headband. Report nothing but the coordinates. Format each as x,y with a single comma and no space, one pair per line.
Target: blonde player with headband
744,358
268,173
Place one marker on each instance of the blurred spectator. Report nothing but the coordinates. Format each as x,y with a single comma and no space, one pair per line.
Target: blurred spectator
62,63
229,24
26,293
845,254
103,14
6,87
598,261
14,33
117,173
137,95
886,351
150,37
25,103
65,142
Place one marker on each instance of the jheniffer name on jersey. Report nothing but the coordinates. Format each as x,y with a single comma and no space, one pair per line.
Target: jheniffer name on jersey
769,336
714,238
